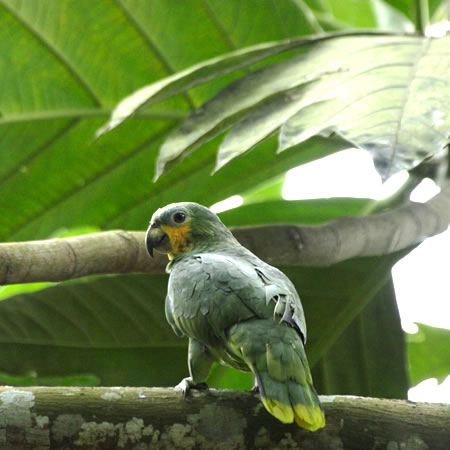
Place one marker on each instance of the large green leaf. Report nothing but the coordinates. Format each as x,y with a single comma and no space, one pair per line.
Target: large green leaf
210,69
428,353
65,63
193,76
106,202
376,92
113,328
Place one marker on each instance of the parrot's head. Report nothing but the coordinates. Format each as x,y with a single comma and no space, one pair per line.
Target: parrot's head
184,227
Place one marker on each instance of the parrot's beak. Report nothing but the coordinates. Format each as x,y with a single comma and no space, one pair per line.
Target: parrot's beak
156,239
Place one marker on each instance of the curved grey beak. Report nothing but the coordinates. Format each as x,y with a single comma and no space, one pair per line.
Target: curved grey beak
155,238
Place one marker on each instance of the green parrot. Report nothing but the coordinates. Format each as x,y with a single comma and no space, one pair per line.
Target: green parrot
236,310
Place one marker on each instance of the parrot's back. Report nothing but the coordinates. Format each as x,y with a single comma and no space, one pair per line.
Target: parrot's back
249,316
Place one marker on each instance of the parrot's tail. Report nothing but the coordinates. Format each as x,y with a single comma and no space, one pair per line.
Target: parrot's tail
275,354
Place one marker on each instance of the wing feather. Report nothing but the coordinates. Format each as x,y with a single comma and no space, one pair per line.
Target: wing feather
210,292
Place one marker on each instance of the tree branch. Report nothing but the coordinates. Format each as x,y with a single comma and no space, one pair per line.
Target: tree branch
124,252
350,237
160,418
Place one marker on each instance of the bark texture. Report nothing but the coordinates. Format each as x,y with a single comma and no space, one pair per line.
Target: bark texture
124,251
159,418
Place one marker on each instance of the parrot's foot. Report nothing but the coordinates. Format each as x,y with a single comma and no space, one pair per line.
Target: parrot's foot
186,384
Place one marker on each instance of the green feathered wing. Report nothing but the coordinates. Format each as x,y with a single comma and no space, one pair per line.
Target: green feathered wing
247,314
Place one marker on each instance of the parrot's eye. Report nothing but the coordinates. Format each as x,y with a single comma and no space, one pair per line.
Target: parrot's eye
179,217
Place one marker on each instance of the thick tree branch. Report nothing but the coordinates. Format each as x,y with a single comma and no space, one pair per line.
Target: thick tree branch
351,237
124,252
159,418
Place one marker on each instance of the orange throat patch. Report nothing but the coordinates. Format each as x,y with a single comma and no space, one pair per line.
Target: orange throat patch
178,237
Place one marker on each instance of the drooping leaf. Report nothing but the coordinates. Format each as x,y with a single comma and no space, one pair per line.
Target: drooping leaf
193,76
377,92
233,102
428,353
230,104
388,108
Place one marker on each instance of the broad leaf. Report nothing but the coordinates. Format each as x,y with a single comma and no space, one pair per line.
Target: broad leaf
113,328
193,76
384,106
52,175
105,201
428,353
376,92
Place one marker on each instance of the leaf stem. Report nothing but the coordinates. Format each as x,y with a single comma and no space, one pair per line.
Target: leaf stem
422,16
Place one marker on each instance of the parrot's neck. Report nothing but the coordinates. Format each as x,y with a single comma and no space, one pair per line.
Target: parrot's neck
225,247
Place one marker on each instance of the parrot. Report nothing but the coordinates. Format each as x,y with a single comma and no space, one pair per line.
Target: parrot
236,310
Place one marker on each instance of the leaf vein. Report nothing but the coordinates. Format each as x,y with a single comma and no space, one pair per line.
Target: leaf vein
151,45
406,97
103,173
55,51
212,14
34,154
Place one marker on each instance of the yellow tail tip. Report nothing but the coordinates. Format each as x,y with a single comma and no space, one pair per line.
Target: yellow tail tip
282,412
310,418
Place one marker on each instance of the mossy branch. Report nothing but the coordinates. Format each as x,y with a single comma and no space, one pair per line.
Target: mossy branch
160,418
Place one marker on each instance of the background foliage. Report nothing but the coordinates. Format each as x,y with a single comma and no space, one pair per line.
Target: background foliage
64,65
